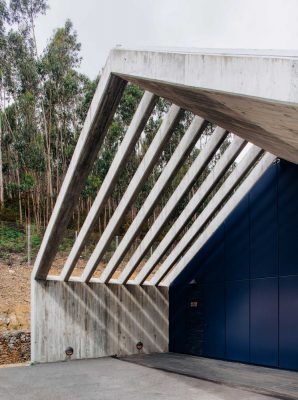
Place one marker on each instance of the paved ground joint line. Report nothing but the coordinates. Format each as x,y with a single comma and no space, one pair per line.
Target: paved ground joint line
253,389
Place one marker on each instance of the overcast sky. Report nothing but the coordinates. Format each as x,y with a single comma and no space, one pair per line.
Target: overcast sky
103,24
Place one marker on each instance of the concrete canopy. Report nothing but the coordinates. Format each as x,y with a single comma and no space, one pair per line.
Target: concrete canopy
253,95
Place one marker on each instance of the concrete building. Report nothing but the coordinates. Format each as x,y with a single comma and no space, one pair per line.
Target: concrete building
228,288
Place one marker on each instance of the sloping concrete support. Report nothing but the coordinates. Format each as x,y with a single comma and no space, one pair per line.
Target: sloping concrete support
100,114
212,207
196,201
144,169
235,199
183,149
96,320
188,180
132,135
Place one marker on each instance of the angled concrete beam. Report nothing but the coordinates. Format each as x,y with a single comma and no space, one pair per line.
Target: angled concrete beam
183,149
243,189
188,180
217,200
144,169
132,135
194,204
99,117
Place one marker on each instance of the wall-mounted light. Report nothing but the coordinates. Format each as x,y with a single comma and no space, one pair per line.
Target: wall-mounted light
139,346
68,352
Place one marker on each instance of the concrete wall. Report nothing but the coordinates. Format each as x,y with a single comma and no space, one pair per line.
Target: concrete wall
96,319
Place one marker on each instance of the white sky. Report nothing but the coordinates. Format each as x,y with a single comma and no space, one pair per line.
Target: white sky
102,24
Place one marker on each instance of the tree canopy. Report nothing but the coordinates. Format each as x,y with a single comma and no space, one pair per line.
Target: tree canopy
44,99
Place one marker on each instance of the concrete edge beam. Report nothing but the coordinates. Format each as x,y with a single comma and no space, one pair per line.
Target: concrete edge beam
227,89
227,71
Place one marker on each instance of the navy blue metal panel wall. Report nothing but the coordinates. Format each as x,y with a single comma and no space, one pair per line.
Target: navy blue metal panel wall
237,320
213,309
264,321
237,242
288,322
263,227
242,302
288,219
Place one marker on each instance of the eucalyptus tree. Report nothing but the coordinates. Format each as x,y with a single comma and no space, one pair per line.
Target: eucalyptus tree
24,13
4,19
44,101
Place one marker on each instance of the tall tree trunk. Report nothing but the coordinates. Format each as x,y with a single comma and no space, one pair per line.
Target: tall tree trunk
19,195
1,169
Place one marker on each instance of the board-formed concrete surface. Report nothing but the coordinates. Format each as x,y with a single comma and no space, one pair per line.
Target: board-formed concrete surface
97,320
278,383
109,379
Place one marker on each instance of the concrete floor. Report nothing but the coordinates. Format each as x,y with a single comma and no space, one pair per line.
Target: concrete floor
272,382
109,379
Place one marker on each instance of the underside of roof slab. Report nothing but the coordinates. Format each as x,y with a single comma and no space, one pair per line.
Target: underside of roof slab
252,95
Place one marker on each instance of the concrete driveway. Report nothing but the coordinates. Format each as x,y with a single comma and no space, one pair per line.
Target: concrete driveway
108,379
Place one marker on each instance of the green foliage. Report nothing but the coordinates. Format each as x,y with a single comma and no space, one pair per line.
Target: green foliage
62,55
19,71
4,18
129,102
35,240
66,244
27,10
43,104
12,240
46,101
92,185
27,183
88,90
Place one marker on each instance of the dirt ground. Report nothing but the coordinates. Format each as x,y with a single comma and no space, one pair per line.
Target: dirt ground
15,279
14,297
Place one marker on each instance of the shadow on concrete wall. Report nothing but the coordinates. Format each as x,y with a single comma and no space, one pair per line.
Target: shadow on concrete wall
97,319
